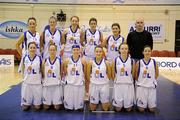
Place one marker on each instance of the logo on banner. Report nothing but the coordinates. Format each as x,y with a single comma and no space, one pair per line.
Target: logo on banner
12,29
156,29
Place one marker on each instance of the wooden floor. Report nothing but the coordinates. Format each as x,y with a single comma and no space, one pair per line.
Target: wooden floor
10,77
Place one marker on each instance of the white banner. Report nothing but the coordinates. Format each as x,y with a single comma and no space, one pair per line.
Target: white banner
6,61
157,29
168,63
97,1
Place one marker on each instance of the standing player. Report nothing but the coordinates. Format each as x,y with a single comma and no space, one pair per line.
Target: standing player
122,72
49,36
93,37
146,75
29,36
52,89
113,41
31,92
75,69
72,36
99,73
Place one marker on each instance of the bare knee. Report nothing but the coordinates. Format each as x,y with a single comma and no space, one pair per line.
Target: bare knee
46,107
37,107
118,109
141,109
57,107
129,109
25,107
93,106
152,110
105,106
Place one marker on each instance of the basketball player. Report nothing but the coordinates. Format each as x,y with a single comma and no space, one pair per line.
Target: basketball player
112,42
72,36
29,36
75,69
49,36
52,88
122,73
31,92
99,73
146,75
93,37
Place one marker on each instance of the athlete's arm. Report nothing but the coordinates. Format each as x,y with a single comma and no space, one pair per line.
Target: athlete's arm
19,42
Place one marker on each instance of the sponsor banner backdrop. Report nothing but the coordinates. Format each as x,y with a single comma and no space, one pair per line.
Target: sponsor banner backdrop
168,63
12,29
157,29
6,61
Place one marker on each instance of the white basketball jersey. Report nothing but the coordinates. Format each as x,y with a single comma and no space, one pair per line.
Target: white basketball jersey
29,37
71,38
75,74
99,73
146,73
113,45
123,70
56,38
52,72
32,69
91,41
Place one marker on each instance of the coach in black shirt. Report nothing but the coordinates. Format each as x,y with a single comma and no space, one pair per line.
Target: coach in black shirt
138,39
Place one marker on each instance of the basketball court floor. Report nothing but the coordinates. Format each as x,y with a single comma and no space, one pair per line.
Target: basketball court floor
168,100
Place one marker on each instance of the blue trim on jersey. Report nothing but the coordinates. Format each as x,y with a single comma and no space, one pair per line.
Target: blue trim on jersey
32,34
59,62
99,62
33,58
99,36
51,32
74,60
24,58
24,44
92,32
108,40
139,69
60,36
115,39
40,60
65,36
52,63
85,38
122,59
72,30
44,37
154,65
115,63
147,62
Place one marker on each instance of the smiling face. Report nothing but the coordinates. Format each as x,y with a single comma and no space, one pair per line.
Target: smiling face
75,21
123,49
32,47
52,50
93,25
98,52
147,52
52,22
32,24
75,51
115,29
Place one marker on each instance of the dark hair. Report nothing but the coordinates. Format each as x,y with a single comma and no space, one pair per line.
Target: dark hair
75,46
31,18
98,46
93,19
76,18
124,43
147,46
53,44
52,17
116,24
31,43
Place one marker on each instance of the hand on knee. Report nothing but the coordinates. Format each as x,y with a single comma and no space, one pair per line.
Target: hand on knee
129,109
92,107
